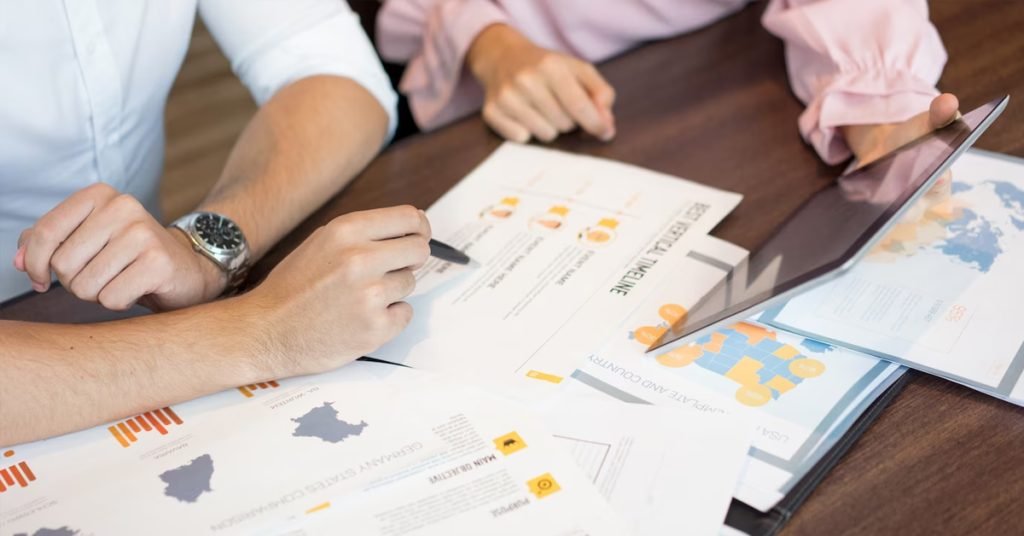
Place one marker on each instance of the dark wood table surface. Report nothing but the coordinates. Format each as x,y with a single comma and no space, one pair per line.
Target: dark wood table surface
715,106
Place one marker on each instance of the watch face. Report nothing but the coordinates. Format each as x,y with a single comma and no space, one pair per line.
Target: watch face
218,232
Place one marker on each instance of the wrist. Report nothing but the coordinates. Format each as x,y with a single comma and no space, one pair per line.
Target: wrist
488,45
248,346
212,277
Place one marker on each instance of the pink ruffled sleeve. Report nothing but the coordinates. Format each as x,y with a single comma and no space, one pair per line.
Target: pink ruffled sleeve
432,38
856,62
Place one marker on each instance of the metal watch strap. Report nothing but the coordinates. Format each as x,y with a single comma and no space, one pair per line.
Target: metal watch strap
235,265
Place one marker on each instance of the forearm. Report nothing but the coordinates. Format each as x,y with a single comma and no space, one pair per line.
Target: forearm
60,378
300,149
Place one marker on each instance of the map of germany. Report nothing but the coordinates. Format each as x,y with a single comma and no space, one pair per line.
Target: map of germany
188,482
322,422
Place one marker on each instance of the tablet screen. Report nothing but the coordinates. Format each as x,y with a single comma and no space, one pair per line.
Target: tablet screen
838,224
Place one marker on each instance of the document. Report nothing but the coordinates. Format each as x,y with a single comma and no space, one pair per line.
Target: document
801,393
562,240
223,464
665,470
943,292
501,473
420,453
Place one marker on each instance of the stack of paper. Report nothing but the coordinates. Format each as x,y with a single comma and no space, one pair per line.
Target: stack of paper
379,449
533,408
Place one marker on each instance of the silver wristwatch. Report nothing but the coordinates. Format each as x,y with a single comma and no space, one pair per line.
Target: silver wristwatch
220,240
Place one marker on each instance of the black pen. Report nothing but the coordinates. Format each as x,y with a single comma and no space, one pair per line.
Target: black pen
447,253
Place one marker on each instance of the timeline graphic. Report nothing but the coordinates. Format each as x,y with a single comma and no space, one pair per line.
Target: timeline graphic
127,431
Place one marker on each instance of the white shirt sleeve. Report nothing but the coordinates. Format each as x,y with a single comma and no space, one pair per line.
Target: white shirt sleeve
272,43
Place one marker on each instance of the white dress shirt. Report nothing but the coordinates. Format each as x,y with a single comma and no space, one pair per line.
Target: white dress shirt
85,83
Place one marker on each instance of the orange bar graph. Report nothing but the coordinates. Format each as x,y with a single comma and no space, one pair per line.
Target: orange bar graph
156,424
128,431
247,390
19,473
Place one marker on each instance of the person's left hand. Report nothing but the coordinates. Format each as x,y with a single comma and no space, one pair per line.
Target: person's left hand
870,142
106,247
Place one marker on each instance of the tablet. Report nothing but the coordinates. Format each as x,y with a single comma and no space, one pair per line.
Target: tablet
836,227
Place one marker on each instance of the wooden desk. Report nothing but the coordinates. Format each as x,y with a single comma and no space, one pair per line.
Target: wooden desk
715,106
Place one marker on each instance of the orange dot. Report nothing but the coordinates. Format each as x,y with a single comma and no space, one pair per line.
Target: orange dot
598,236
680,357
8,454
672,312
648,335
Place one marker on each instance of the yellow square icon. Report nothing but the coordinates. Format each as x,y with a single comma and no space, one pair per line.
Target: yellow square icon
543,485
509,443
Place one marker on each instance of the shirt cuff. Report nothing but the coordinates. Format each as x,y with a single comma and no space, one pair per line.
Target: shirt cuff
438,86
861,99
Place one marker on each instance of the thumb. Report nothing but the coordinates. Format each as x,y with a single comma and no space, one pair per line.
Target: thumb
943,110
600,91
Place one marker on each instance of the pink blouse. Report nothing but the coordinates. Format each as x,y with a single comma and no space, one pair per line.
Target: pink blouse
849,61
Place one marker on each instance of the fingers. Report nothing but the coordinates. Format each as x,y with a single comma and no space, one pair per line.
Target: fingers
505,126
943,110
572,94
396,286
55,227
19,259
87,282
400,315
381,224
540,96
601,92
398,254
514,105
125,289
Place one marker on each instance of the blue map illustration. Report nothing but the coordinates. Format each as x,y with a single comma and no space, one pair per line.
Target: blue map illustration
749,354
62,531
188,482
975,239
322,422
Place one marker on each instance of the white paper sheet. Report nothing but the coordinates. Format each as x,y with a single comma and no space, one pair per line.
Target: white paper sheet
562,240
664,469
264,457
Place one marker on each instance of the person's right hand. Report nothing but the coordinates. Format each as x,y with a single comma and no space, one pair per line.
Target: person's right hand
534,92
339,295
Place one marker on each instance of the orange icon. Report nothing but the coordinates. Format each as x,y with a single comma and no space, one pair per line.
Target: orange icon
552,220
502,210
543,485
126,432
509,443
600,234
248,389
648,335
19,473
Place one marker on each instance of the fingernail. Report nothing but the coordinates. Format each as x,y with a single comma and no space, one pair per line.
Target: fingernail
38,287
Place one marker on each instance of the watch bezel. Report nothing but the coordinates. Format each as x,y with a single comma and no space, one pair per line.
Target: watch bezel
211,246
234,261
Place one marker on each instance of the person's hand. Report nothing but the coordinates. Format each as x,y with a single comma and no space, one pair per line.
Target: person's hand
870,142
339,295
534,92
106,248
